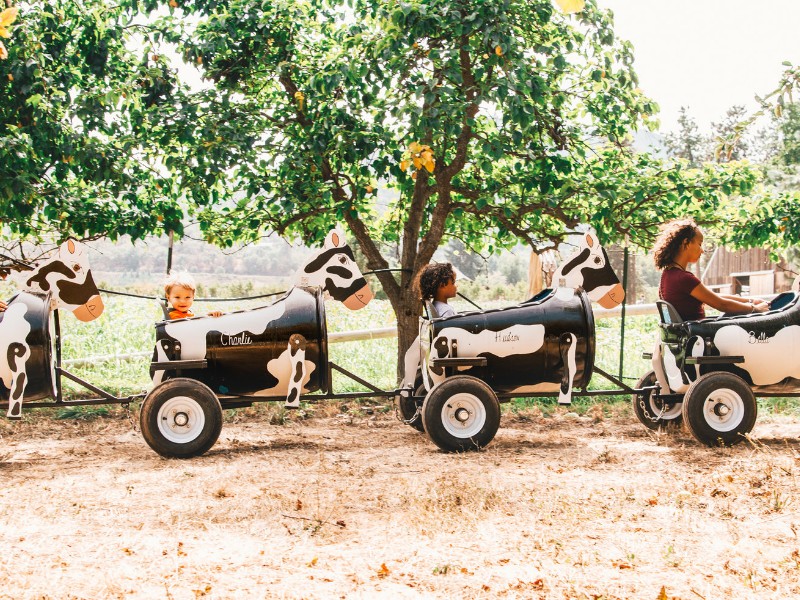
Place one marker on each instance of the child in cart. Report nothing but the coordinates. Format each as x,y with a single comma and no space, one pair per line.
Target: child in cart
437,282
179,289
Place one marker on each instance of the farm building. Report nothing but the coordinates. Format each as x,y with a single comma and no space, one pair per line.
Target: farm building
746,272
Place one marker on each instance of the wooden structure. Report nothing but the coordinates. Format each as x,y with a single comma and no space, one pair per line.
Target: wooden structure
745,272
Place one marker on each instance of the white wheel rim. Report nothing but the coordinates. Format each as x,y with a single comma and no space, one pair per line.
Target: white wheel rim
181,419
463,415
723,410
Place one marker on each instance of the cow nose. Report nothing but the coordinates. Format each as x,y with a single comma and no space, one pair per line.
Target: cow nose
91,310
360,299
613,297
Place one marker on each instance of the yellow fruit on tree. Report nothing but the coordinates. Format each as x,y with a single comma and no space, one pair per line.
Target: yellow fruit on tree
571,6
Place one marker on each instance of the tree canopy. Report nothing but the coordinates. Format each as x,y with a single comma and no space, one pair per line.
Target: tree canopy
413,121
74,157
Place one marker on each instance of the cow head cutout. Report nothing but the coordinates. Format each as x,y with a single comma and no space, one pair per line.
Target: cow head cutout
590,269
333,268
69,280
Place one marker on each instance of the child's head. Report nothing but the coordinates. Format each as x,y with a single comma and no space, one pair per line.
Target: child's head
179,289
433,277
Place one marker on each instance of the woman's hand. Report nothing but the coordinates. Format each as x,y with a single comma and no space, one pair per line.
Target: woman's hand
759,305
2,306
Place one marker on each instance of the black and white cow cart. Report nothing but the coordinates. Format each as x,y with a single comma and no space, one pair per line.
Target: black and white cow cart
202,365
468,363
30,349
707,373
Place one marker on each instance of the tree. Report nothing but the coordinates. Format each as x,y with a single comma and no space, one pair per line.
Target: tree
494,122
75,155
768,219
687,143
730,135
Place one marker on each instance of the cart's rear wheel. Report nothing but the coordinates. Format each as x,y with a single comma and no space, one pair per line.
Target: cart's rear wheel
181,418
651,411
719,408
461,413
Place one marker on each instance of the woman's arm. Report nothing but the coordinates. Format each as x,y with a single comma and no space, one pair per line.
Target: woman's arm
728,304
756,301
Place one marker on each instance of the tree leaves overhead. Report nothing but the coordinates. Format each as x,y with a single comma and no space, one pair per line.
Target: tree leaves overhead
76,153
318,111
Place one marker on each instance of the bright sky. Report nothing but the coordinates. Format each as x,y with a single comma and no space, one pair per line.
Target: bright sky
707,55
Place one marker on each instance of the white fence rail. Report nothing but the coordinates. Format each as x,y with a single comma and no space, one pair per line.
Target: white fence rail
359,335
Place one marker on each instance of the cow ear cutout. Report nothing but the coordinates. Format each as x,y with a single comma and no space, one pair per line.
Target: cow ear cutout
589,240
335,239
71,246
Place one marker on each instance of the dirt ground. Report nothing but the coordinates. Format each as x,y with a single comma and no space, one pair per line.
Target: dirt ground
348,506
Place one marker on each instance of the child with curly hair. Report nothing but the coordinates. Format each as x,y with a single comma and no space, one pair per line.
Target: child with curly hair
679,244
437,282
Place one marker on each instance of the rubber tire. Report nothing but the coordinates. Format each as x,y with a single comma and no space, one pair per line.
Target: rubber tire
465,390
728,389
643,413
197,396
408,407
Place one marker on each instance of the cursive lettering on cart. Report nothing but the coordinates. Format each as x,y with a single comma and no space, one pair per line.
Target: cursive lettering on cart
240,339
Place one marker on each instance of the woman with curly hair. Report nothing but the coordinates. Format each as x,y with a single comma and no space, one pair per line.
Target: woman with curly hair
437,282
680,244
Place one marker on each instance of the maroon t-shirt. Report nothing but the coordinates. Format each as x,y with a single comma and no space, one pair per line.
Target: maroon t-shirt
676,288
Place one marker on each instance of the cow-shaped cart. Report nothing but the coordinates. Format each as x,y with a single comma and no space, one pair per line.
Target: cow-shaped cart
466,364
202,365
30,365
707,373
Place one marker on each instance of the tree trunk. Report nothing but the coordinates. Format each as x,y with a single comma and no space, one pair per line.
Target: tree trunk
407,311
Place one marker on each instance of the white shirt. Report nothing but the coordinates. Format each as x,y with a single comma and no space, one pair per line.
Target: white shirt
443,309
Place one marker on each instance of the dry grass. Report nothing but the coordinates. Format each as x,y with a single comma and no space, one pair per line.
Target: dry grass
360,506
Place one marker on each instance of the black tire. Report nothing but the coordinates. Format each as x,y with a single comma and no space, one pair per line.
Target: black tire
461,413
181,418
649,410
408,407
719,408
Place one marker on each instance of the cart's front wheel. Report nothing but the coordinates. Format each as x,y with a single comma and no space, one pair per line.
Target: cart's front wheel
181,418
719,408
461,413
652,412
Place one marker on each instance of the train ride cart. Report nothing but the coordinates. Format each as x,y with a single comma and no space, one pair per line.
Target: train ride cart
471,362
707,373
30,346
278,352
204,365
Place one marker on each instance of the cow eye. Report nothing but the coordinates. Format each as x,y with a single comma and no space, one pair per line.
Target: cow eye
343,260
597,260
76,268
